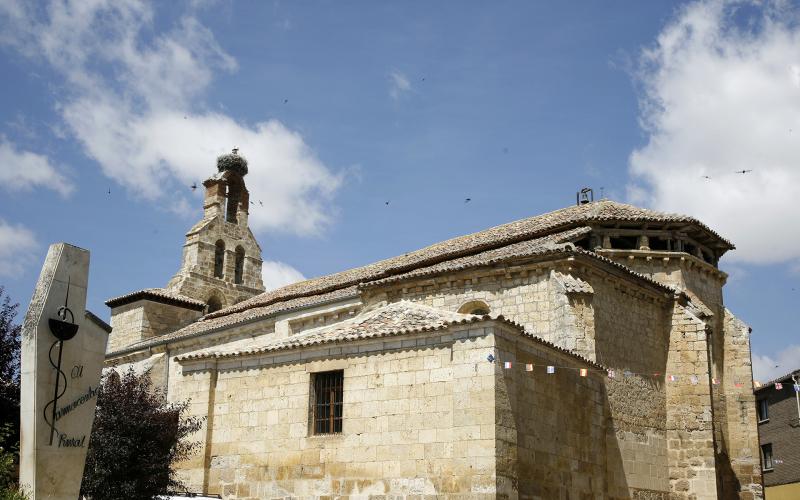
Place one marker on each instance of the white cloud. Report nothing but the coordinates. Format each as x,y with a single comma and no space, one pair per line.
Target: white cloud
766,368
23,170
277,274
720,96
134,102
16,252
398,84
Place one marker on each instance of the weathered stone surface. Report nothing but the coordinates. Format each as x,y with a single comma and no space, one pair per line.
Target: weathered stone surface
200,277
425,412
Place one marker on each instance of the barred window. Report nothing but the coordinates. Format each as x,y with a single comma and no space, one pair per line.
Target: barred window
328,390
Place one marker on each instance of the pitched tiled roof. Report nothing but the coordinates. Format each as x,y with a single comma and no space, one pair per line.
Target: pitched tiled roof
552,244
532,248
210,325
572,284
397,318
498,236
157,295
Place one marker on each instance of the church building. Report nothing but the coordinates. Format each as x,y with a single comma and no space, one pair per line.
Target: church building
582,353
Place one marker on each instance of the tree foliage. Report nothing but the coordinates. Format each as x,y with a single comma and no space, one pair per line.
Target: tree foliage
136,441
9,365
9,398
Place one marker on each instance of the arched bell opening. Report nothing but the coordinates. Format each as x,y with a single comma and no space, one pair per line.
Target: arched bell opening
238,271
219,259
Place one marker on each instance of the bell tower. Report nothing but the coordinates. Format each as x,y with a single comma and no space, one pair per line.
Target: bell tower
221,262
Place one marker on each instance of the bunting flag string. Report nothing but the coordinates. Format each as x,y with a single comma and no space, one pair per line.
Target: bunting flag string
613,374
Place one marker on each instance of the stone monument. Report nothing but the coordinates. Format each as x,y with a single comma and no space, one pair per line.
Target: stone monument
63,347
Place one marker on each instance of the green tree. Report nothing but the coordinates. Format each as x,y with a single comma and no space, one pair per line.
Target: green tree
137,438
9,370
9,398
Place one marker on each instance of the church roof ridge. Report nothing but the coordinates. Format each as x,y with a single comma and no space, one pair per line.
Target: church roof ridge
397,318
494,237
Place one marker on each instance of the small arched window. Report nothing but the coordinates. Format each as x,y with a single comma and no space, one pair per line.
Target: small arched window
219,259
213,304
477,307
238,271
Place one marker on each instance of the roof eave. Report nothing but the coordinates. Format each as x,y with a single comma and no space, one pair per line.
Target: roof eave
152,297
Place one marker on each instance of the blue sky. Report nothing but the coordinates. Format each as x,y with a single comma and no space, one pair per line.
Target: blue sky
343,106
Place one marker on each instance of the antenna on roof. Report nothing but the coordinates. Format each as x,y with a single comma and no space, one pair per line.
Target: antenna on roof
584,196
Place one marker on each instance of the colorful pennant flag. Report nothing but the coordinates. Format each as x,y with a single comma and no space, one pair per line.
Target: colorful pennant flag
796,387
528,367
737,384
584,372
778,386
507,365
756,384
715,381
611,374
551,369
673,378
694,379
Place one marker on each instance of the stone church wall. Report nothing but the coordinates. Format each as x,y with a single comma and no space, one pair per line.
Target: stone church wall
423,415
550,428
418,419
631,334
735,427
523,297
628,329
742,447
145,319
690,425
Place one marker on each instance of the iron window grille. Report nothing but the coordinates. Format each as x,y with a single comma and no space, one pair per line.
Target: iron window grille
328,391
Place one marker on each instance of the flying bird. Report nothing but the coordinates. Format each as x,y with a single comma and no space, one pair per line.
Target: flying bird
285,101
260,203
387,202
467,200
109,190
193,186
706,177
742,171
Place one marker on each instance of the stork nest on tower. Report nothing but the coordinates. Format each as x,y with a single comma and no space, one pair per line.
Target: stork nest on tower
232,162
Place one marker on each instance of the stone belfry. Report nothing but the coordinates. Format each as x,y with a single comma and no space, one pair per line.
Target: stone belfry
221,262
